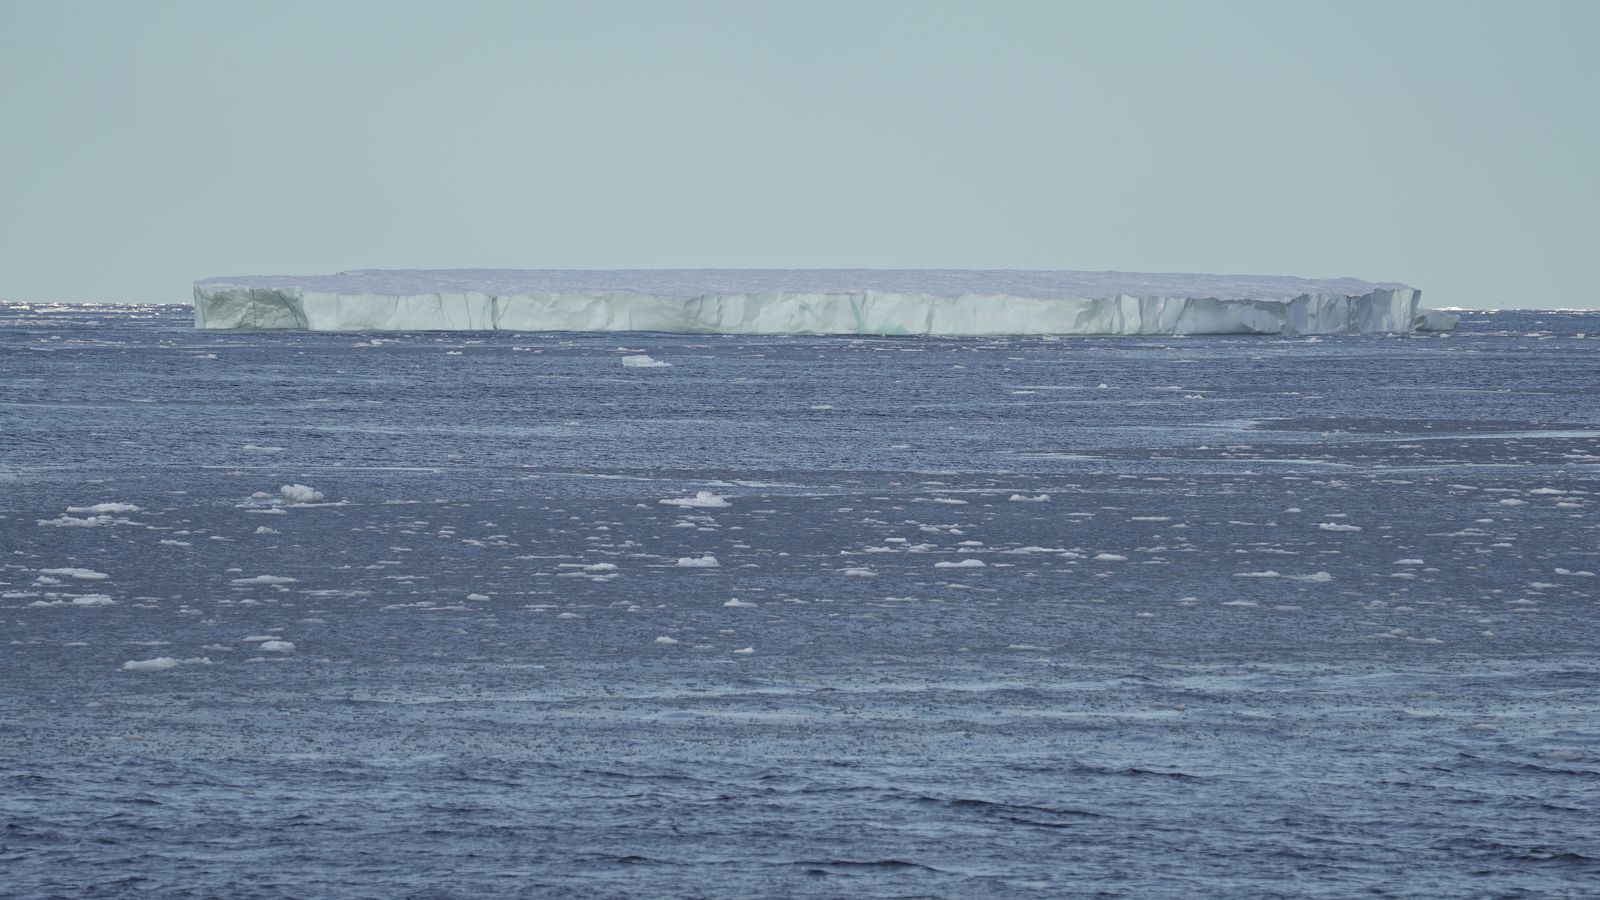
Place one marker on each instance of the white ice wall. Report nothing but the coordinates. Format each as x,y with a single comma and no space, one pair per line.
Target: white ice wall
372,301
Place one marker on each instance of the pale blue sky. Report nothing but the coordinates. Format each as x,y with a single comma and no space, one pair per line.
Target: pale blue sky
1450,145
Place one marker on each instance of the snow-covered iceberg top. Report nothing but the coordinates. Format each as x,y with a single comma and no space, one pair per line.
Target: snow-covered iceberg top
809,301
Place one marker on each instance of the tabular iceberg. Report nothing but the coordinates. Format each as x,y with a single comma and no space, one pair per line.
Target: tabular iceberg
812,301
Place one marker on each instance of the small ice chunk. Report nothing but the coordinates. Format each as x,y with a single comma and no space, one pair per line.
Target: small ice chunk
80,574
644,361
701,500
704,562
299,493
263,579
106,509
276,646
150,665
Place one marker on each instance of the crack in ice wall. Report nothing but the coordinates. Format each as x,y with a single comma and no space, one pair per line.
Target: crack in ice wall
910,302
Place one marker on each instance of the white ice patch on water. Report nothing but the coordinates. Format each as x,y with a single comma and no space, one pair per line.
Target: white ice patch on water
300,493
263,579
80,574
644,361
162,663
701,500
97,521
703,562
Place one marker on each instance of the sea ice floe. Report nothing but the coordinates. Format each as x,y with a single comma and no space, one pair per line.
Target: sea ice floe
701,500
702,562
300,493
95,521
263,579
80,574
161,663
644,361
101,509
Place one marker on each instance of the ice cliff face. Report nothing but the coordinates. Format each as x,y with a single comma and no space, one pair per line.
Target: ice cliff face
909,302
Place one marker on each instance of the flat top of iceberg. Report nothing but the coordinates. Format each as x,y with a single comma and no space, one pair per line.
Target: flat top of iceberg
685,283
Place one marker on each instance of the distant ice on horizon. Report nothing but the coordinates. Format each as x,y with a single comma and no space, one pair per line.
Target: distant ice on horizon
951,302
689,283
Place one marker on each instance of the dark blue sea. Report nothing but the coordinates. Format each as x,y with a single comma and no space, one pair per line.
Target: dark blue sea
480,615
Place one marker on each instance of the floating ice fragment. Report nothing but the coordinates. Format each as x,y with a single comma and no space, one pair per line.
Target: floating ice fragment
100,521
701,500
101,509
150,665
263,579
704,562
644,361
80,574
299,493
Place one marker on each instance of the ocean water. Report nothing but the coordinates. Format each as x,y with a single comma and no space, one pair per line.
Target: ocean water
1123,617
